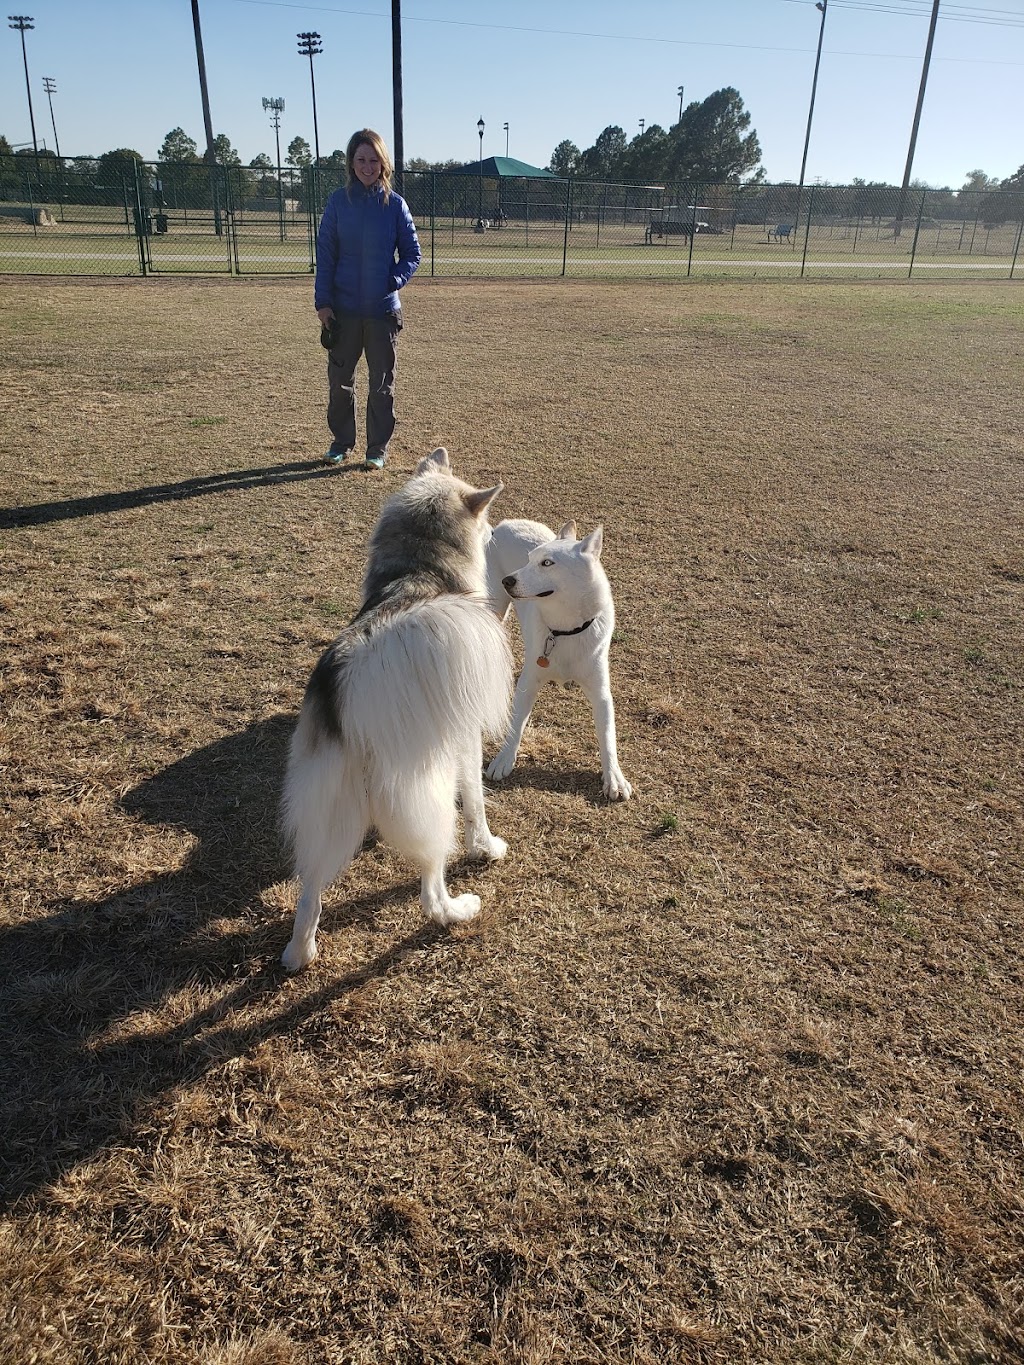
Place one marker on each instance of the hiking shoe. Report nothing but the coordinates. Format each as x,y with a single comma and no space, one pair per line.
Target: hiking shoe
375,461
336,454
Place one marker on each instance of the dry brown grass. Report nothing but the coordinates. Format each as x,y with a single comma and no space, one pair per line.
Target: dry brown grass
730,1073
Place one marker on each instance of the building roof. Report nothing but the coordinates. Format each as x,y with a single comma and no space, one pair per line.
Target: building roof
498,167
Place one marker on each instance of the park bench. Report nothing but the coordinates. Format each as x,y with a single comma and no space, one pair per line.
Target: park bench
666,226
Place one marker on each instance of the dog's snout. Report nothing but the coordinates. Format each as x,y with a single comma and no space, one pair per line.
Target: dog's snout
509,582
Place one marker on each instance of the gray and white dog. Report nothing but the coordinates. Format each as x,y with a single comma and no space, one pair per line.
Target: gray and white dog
390,732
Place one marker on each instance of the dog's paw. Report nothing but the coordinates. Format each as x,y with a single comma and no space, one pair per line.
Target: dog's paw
298,955
459,909
487,848
501,765
616,788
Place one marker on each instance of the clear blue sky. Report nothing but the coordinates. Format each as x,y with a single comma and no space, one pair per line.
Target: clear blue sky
126,74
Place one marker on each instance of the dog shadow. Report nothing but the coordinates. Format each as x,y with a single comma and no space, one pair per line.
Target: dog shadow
584,783
84,1046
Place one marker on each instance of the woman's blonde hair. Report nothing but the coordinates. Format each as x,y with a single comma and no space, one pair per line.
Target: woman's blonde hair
379,146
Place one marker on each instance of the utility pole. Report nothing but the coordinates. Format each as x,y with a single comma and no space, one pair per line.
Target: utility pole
23,23
917,117
211,156
823,6
50,86
396,81
679,92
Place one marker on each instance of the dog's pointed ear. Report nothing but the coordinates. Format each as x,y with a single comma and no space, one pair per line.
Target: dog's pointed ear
568,531
477,500
437,459
593,544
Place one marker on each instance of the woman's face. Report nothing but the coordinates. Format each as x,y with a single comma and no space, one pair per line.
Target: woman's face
366,164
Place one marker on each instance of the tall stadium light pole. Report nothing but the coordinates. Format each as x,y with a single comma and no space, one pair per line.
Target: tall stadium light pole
505,126
823,6
917,116
679,92
50,86
396,87
480,201
24,22
276,106
310,46
211,155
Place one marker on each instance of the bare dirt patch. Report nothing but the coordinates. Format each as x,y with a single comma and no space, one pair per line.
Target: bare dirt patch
731,1072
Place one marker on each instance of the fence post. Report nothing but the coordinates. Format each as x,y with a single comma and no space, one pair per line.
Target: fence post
693,232
433,218
142,240
807,229
917,233
306,181
1016,248
568,211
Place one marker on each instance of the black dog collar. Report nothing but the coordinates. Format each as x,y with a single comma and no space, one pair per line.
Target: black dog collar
573,632
549,643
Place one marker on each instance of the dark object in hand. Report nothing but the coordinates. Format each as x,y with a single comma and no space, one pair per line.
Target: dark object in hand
329,333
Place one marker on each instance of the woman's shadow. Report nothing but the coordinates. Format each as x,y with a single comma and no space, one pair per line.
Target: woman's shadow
80,1056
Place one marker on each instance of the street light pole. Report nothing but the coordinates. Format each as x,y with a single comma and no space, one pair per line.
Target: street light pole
506,138
823,6
480,200
277,108
396,94
23,22
50,86
642,122
310,46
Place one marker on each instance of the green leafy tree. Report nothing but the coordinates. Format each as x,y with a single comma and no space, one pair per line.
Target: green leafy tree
299,152
978,180
223,152
178,146
710,143
646,157
601,162
565,159
262,162
1008,204
113,167
5,147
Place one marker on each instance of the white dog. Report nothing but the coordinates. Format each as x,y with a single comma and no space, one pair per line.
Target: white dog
391,723
564,604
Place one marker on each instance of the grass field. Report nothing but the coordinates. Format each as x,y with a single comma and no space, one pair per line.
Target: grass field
729,1073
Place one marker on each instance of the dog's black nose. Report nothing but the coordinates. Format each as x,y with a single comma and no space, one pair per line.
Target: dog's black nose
509,583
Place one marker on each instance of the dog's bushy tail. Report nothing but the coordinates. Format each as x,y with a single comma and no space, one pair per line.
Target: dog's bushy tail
413,693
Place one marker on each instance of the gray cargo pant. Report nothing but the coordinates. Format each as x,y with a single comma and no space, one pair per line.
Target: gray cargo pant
378,337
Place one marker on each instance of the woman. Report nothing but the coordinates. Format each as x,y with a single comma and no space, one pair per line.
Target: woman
366,250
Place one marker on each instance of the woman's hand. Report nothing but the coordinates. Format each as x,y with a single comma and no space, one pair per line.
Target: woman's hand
325,314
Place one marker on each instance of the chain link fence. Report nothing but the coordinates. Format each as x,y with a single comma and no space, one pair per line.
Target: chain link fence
122,217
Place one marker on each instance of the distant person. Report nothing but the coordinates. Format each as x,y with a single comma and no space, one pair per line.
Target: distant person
366,250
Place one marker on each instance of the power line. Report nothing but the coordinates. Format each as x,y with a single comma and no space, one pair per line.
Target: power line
1015,22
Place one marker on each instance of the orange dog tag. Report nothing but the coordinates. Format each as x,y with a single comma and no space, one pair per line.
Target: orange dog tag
543,663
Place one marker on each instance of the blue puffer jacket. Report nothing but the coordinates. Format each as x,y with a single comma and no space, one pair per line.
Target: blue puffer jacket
356,248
